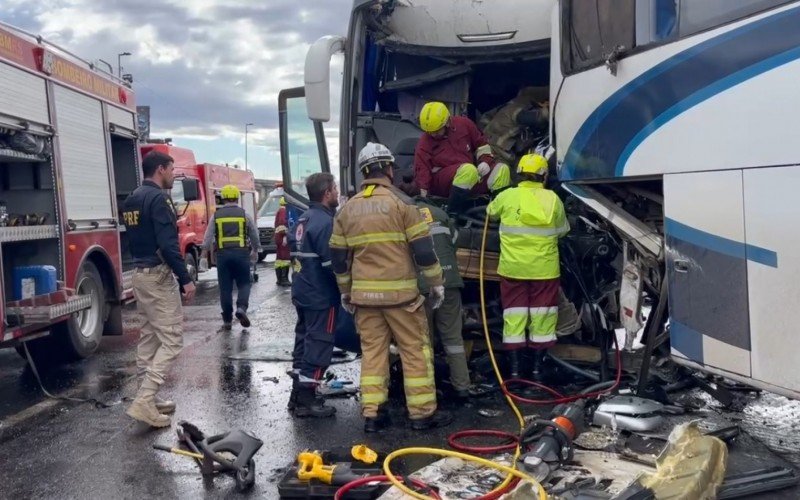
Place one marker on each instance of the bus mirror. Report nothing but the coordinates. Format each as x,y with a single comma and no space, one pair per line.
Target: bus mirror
191,189
318,76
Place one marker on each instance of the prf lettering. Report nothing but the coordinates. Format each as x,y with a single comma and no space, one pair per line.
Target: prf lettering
131,218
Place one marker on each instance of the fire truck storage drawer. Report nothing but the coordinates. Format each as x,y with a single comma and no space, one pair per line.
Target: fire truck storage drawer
30,281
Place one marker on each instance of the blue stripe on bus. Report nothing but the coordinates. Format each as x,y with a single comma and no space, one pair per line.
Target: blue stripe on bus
719,244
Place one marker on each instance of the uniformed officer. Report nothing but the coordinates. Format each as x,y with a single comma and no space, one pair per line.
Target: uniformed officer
446,321
234,236
316,297
152,231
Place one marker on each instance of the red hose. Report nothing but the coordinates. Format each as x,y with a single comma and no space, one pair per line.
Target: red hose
453,441
383,479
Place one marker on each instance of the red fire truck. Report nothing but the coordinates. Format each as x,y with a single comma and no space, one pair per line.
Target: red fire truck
193,215
68,158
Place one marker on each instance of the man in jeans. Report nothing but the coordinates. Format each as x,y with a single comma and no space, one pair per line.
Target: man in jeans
234,235
152,230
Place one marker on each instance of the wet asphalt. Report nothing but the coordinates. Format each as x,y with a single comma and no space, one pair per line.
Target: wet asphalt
58,449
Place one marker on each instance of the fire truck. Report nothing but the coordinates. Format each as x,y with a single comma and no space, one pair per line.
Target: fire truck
195,210
68,158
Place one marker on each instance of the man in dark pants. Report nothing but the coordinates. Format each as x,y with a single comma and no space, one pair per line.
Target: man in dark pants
316,297
152,231
234,235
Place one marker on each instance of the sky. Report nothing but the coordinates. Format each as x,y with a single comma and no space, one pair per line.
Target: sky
205,67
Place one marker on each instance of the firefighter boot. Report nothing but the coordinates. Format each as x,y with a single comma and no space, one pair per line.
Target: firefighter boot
278,273
458,201
438,419
309,405
378,423
537,372
513,363
144,408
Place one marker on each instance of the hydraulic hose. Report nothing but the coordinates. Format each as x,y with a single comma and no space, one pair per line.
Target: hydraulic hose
357,483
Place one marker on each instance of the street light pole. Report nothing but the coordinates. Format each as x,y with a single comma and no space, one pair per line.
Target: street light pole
119,62
245,144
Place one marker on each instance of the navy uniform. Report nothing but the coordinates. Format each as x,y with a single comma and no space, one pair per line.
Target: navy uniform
316,297
152,232
234,235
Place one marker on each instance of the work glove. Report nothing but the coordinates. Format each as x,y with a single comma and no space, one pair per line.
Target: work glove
436,296
484,169
423,193
347,305
202,266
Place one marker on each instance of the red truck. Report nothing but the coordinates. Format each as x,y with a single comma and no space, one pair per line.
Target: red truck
193,216
68,158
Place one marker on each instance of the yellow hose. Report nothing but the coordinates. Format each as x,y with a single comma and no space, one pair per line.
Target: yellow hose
511,471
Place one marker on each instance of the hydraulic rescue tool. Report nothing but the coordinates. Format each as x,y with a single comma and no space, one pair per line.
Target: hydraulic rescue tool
550,441
312,466
231,452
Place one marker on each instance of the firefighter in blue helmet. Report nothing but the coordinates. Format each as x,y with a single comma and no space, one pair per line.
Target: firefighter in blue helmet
315,294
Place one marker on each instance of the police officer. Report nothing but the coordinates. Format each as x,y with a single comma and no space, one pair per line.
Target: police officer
316,297
234,236
152,231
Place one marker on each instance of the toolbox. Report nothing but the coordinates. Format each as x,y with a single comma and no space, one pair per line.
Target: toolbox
290,487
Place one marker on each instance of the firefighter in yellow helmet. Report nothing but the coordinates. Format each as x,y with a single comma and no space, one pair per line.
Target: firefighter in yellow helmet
532,219
453,160
233,235
379,242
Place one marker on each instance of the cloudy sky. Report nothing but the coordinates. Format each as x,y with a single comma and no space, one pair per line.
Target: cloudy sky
206,67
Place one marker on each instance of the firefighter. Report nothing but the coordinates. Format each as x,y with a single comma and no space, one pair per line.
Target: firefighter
379,240
234,236
282,255
446,156
152,230
532,219
316,297
446,321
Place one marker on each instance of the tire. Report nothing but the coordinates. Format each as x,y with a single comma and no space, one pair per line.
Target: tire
262,255
79,335
191,265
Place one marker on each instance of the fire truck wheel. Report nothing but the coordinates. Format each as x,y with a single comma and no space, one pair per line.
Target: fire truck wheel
80,334
191,265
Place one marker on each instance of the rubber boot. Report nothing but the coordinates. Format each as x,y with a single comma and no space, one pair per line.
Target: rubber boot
537,371
308,404
144,408
458,201
278,271
285,277
513,363
377,424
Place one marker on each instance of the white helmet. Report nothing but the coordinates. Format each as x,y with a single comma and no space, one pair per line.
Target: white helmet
373,154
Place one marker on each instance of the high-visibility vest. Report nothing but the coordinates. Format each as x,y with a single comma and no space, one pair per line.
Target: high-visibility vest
231,227
532,219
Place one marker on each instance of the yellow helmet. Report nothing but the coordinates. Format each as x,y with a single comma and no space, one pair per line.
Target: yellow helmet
282,201
433,117
532,164
230,192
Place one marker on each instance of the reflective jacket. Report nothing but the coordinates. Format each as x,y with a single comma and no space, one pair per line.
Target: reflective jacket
444,236
230,223
379,240
313,283
532,219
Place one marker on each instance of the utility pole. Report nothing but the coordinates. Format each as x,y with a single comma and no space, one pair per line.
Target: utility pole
246,168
